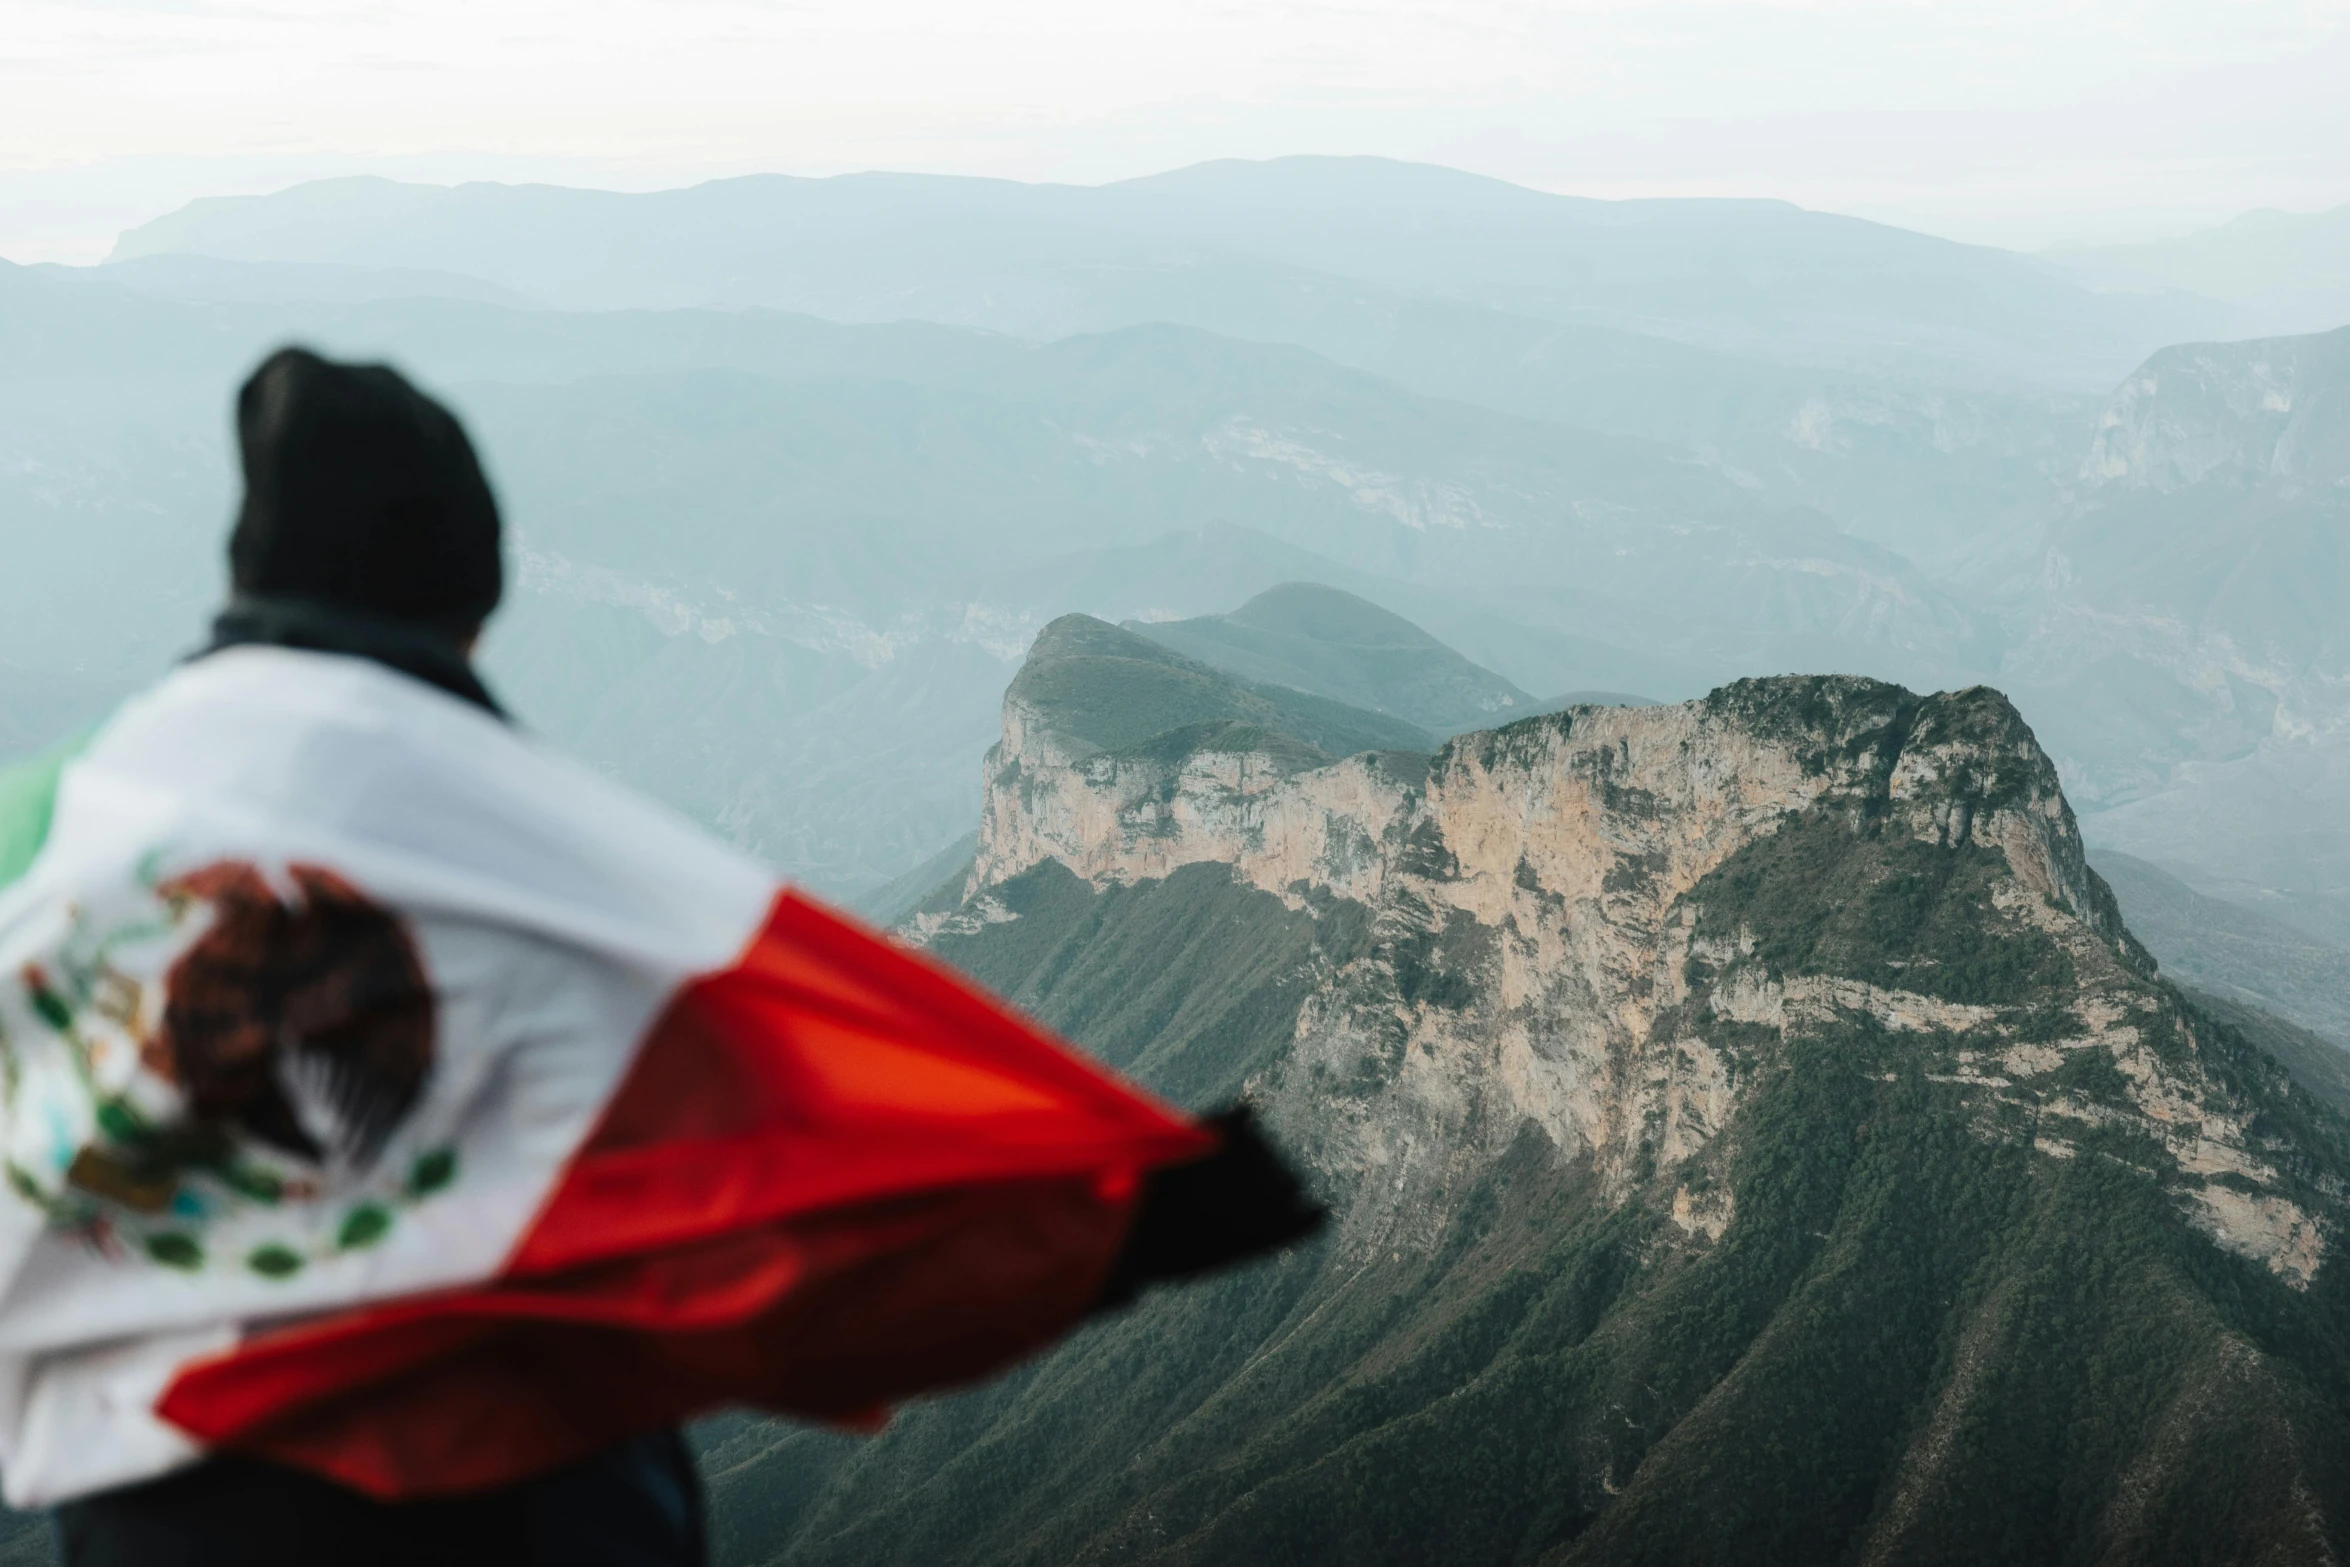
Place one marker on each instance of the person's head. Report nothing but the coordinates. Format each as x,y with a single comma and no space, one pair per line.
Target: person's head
363,493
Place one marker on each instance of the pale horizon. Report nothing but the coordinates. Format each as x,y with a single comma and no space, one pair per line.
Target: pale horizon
2005,124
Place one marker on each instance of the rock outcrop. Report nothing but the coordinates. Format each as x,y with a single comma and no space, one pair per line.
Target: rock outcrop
1752,1136
2272,411
2189,642
1537,958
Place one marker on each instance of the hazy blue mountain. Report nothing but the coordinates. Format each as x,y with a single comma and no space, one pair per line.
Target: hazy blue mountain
1221,563
878,523
2282,272
1738,274
893,523
786,602
1321,639
889,904
1924,466
1742,274
888,511
1124,434
2271,414
208,278
1760,354
1944,474
2227,950
2218,495
1103,688
92,326
2264,829
835,489
2187,653
2317,1062
778,568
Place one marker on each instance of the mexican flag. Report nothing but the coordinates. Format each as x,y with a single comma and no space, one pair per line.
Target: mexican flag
384,1095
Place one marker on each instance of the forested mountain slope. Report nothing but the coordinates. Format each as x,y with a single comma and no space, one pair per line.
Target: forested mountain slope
1753,1135
1327,641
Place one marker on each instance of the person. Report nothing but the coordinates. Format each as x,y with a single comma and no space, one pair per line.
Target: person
406,1131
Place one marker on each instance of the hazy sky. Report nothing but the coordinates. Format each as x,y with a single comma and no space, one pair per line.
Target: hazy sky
2013,121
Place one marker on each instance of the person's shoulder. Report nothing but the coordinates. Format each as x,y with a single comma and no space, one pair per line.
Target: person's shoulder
391,777
339,689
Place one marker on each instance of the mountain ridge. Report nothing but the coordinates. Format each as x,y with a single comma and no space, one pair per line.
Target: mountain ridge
1321,639
1801,277
1752,1132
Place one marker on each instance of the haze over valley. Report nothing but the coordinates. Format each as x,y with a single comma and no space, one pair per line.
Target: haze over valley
797,468
1748,785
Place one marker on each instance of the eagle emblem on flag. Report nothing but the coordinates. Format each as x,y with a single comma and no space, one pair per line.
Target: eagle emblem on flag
322,988
292,1024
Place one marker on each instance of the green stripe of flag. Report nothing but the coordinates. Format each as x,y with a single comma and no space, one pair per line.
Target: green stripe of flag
28,794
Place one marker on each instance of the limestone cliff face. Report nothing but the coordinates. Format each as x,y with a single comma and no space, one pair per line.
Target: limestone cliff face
1229,793
1751,1133
2191,611
1561,943
2268,411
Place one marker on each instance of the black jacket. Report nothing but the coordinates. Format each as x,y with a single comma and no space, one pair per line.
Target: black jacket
635,1505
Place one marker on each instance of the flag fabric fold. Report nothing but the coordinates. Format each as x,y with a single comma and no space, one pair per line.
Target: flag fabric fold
384,1095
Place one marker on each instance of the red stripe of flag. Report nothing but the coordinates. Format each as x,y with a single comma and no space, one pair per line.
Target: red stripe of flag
835,1176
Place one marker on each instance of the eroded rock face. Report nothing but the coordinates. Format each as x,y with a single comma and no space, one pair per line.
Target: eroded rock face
2241,413
1752,1134
1609,924
1228,794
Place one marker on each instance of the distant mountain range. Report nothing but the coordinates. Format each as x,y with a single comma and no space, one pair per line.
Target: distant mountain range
2280,272
784,590
1701,1042
2189,642
1280,241
1309,637
778,568
1754,1137
2224,949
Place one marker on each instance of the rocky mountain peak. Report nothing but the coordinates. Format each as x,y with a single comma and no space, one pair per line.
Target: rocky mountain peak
2252,413
1751,1132
1309,637
1542,897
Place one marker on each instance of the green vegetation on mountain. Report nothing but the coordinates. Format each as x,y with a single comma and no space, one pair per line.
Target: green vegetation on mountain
1103,687
1817,898
1918,1342
2251,959
777,569
1960,1276
1323,640
2316,1062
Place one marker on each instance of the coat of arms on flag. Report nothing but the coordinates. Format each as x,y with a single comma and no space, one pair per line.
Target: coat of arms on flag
212,1045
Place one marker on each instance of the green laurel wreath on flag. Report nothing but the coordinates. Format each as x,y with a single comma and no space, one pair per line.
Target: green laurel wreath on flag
139,1188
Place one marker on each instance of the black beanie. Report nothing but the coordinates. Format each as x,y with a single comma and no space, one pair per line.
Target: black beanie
360,491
